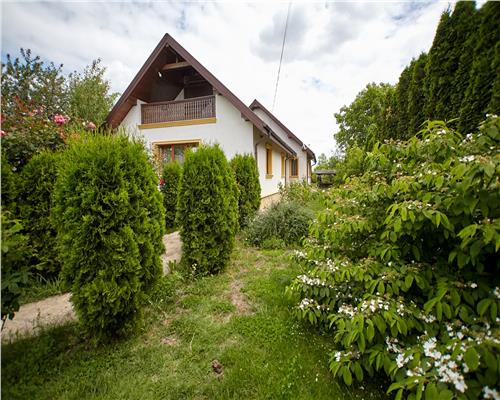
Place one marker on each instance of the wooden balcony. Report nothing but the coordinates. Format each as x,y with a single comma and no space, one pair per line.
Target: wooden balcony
181,110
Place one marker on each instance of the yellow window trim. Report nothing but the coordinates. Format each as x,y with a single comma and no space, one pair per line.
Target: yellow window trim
283,165
269,161
291,160
178,123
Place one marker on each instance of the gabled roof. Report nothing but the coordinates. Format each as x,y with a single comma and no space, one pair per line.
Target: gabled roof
127,100
256,104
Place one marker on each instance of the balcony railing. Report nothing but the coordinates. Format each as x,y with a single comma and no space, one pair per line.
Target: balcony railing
181,110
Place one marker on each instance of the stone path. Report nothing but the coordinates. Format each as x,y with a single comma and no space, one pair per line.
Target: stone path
56,310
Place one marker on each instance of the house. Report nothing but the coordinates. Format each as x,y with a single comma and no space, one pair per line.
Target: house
174,103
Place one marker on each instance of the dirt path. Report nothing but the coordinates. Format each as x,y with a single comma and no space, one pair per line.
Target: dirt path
56,310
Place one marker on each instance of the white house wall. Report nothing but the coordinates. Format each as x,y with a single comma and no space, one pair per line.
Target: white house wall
301,154
269,185
231,131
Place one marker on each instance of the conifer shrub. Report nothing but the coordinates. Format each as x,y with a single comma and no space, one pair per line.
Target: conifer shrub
284,223
402,266
169,187
37,181
110,222
207,213
247,178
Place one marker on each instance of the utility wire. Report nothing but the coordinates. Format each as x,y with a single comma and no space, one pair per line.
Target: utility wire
281,56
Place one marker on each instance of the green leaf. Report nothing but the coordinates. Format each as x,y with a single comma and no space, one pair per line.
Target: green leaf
347,376
358,372
483,306
370,331
471,358
431,393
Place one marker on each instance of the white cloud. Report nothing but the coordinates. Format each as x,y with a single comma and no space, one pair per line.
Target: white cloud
332,51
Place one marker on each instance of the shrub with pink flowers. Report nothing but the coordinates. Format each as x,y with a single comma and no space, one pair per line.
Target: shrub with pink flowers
403,266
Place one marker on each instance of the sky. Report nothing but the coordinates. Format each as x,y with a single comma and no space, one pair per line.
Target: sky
332,49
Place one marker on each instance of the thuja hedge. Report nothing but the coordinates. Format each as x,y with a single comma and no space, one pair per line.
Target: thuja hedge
110,222
403,266
37,181
247,179
169,186
207,210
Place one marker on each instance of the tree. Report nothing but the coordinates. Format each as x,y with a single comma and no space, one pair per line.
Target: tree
89,97
439,75
416,95
465,22
402,100
483,75
37,85
361,123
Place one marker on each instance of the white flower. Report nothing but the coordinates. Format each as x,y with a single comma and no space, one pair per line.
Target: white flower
490,393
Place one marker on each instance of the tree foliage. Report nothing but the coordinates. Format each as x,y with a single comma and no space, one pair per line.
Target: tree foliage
482,75
402,266
362,121
34,83
207,211
169,187
246,175
110,222
89,94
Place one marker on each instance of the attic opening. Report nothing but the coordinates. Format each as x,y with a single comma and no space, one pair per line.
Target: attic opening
170,78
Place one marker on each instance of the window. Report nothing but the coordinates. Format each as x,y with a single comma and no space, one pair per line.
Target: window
269,161
283,165
173,151
294,168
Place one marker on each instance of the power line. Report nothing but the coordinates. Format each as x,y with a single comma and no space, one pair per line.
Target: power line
281,56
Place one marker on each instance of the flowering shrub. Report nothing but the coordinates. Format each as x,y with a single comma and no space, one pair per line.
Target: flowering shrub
110,222
28,131
169,187
247,179
403,266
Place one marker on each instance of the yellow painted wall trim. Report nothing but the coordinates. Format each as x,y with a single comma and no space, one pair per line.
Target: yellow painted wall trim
178,123
167,142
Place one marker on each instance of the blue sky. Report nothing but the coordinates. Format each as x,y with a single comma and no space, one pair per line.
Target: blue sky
332,51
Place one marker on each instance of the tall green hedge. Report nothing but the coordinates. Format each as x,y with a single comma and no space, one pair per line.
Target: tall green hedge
207,210
247,179
169,187
37,182
110,221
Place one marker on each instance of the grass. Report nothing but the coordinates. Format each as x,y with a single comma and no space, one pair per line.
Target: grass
240,318
40,288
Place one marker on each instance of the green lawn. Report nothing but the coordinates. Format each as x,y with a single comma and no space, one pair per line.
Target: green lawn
265,353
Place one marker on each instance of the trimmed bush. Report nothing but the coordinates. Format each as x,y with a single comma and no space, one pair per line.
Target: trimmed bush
247,179
283,224
169,186
38,178
207,210
110,223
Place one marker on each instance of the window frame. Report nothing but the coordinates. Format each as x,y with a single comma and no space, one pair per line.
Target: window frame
172,143
283,165
292,160
269,161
